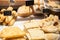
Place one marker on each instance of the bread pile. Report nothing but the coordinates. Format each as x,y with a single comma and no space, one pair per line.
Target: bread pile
49,28
12,33
24,11
7,20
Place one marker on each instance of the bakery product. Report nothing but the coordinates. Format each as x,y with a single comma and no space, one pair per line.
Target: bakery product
51,36
58,26
11,22
12,32
2,17
36,34
14,13
10,8
15,39
50,29
30,25
8,19
2,10
24,11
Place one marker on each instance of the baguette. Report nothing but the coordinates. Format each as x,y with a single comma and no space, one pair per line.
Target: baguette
11,22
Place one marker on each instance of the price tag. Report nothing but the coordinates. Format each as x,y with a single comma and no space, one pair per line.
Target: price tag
29,2
46,10
7,13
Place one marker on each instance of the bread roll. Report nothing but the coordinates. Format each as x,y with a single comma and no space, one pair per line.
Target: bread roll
24,11
8,19
2,10
11,22
14,13
36,1
50,29
10,8
12,32
2,17
31,25
58,26
35,7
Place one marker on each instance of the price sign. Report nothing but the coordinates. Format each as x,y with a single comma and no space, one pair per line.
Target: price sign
29,2
7,13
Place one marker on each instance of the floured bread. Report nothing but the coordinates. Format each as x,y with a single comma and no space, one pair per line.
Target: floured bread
50,29
36,34
30,25
24,11
12,32
51,36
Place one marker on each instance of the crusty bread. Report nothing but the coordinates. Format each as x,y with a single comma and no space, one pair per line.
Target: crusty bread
24,11
53,4
12,32
10,8
11,22
58,26
51,36
2,17
2,10
8,19
30,25
50,29
14,13
36,34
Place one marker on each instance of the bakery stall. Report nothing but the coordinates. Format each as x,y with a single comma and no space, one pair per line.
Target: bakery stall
29,20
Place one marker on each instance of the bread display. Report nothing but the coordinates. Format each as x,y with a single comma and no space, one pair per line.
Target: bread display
8,20
50,27
36,1
49,21
24,11
23,22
